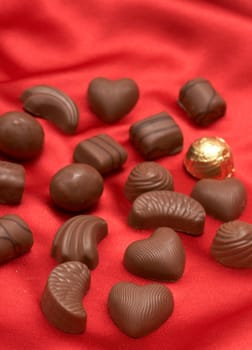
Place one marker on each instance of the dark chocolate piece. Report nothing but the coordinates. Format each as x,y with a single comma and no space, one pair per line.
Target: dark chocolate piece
52,104
159,257
223,199
15,237
111,100
102,152
77,240
61,301
168,208
201,101
12,181
76,187
232,245
145,177
156,136
139,310
21,136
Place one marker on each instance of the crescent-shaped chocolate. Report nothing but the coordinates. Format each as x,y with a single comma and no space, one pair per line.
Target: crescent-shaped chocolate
52,104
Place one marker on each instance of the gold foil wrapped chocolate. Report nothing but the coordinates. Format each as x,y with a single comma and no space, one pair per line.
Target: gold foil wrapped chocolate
209,157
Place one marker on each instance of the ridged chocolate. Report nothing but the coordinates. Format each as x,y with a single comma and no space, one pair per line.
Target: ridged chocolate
61,301
147,176
52,104
167,208
102,152
77,240
156,136
12,181
139,310
159,257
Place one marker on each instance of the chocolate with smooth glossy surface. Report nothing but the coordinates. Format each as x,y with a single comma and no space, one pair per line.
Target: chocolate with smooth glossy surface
12,181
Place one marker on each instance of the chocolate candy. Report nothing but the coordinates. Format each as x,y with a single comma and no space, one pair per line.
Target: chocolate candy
21,136
52,104
147,176
15,237
12,181
139,310
102,152
156,136
159,257
222,199
77,240
201,101
61,301
111,100
167,208
76,187
232,245
209,157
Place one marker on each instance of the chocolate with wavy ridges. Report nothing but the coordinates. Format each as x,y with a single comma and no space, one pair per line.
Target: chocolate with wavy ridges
139,310
168,208
77,240
61,301
52,104
12,182
232,245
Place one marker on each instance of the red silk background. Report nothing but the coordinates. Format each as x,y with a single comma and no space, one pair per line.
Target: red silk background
161,44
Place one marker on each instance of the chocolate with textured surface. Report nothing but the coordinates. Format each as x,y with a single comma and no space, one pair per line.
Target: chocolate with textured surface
21,136
76,187
159,257
15,237
232,245
201,101
156,136
147,176
102,152
111,100
52,104
222,199
12,181
61,301
77,240
168,208
139,310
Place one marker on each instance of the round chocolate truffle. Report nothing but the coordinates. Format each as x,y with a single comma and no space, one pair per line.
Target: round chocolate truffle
76,187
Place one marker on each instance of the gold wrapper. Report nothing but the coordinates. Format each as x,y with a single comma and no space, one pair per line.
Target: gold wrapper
209,157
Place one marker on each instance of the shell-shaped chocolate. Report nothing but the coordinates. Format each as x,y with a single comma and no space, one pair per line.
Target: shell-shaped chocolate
61,301
139,310
159,257
232,245
167,208
147,176
77,240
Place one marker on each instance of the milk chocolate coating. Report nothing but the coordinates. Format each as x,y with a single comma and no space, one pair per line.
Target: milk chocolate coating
139,310
21,136
156,136
76,187
61,301
111,100
223,199
77,240
102,152
232,245
52,104
159,257
145,177
12,181
167,208
15,237
201,101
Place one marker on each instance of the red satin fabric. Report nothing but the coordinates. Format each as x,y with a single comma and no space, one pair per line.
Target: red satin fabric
161,44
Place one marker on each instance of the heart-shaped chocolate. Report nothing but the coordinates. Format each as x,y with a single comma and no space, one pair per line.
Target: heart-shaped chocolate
139,310
223,199
159,257
111,100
